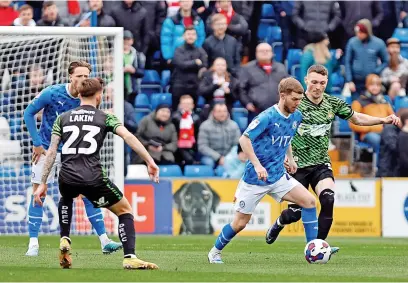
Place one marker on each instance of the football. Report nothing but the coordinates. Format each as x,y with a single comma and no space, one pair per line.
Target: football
317,251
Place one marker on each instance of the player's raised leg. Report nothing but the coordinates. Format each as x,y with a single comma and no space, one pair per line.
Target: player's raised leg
290,215
95,216
127,236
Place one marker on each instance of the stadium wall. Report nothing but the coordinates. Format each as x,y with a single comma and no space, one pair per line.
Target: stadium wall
363,208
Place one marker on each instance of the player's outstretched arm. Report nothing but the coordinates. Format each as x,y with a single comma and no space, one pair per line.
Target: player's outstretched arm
248,149
138,147
361,119
49,161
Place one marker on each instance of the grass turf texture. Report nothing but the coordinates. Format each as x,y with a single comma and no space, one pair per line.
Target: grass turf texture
185,259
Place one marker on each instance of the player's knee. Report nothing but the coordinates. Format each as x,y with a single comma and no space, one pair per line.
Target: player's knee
327,198
121,207
295,213
308,202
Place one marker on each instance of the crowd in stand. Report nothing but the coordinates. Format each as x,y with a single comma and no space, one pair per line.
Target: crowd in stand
207,46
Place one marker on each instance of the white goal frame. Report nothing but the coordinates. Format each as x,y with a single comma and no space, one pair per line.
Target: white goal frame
118,105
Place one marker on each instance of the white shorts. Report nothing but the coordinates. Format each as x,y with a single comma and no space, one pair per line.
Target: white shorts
248,196
37,170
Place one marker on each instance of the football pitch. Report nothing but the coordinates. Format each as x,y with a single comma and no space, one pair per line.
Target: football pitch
184,258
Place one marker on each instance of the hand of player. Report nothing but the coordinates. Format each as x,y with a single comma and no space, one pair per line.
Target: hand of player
292,166
261,172
37,152
153,171
286,163
392,119
39,193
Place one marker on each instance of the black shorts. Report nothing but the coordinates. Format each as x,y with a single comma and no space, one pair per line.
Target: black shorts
312,175
104,194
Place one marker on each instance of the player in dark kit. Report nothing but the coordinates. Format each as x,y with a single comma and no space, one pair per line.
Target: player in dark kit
82,132
310,149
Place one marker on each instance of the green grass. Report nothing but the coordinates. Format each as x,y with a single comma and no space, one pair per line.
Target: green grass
185,259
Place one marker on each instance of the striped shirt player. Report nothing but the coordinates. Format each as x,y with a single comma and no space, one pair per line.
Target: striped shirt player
53,101
267,141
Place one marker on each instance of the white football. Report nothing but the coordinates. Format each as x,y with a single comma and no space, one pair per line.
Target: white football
317,251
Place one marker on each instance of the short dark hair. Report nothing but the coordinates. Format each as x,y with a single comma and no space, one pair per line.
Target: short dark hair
89,87
190,28
47,4
76,64
290,85
319,69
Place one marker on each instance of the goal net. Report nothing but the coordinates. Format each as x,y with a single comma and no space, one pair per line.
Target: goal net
30,60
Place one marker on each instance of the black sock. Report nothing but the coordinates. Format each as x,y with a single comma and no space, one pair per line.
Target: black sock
65,216
326,213
290,215
127,234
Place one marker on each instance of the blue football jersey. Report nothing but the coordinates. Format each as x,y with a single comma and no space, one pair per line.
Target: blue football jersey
54,100
271,133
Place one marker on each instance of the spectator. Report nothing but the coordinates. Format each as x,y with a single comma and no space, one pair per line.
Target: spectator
315,16
70,10
390,20
7,13
371,103
284,9
217,136
103,19
173,6
354,11
129,120
244,8
188,62
107,66
217,85
237,25
187,124
158,135
204,8
25,17
223,45
259,81
50,16
402,146
395,75
132,16
33,85
37,9
235,162
156,14
133,66
173,29
362,55
317,52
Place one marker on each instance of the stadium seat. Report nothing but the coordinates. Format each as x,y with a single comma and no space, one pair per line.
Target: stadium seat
142,101
295,72
141,112
401,34
277,48
237,104
400,102
165,78
220,171
293,58
200,102
337,81
274,34
7,172
158,98
404,50
170,171
268,12
198,171
25,171
151,82
240,116
263,31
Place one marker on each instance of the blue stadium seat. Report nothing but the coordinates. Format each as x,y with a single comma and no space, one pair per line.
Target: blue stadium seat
140,113
151,82
25,171
220,171
277,48
404,50
16,123
274,34
170,171
295,72
165,78
159,98
240,116
200,102
400,102
157,55
198,171
268,12
401,34
142,101
7,172
337,81
237,104
293,58
263,31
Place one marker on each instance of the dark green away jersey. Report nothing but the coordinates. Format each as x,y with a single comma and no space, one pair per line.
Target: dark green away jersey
311,143
82,131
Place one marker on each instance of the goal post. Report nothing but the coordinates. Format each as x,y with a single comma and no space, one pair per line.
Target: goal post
32,58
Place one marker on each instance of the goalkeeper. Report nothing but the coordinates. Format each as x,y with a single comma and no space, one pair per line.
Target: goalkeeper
55,100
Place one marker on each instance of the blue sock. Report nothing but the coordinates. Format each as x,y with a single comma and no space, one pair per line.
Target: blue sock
95,216
309,220
35,215
226,235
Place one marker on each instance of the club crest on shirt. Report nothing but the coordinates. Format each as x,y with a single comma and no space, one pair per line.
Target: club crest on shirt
253,124
330,115
294,125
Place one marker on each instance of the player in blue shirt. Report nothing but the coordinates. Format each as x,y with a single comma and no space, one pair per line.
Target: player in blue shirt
266,142
55,100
